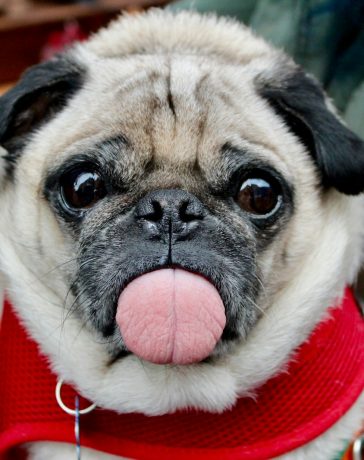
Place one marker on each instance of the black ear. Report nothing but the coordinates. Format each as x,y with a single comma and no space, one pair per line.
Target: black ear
337,151
41,92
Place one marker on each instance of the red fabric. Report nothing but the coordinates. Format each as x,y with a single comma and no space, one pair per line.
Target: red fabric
324,380
60,40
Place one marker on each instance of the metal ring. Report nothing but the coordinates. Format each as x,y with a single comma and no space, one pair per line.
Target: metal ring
66,408
358,448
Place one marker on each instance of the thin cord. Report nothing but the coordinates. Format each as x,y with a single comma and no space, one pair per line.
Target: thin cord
77,428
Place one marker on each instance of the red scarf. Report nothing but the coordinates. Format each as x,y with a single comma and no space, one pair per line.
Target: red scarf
325,379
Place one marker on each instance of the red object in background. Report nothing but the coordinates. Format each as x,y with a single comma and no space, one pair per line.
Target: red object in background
322,382
60,40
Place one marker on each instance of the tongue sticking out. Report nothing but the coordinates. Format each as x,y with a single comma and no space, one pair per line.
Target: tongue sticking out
171,316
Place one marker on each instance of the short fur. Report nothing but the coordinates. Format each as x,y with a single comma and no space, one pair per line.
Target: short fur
178,102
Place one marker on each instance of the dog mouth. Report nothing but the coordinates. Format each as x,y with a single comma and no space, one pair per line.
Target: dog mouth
171,316
185,306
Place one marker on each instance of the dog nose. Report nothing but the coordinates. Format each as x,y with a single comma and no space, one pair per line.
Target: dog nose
169,212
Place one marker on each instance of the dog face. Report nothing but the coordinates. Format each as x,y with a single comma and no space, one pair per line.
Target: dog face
149,153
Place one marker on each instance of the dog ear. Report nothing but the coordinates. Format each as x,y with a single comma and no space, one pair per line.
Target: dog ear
337,151
41,92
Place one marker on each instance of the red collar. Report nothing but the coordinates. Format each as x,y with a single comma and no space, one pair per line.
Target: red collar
324,380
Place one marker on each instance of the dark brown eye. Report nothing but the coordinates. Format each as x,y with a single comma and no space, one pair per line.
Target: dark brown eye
82,188
258,196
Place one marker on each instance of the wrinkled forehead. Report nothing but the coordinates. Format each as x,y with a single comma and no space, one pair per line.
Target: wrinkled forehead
173,110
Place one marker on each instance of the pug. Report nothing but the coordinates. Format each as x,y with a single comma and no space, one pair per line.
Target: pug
180,207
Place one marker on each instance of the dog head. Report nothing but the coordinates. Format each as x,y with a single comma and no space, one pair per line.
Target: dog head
178,210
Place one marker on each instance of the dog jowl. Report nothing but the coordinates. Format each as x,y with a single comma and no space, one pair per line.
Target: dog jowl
166,202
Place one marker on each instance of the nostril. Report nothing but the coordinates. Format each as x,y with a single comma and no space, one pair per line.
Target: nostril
156,213
174,206
189,212
150,210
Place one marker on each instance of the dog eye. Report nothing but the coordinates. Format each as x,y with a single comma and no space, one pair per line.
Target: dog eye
82,188
259,196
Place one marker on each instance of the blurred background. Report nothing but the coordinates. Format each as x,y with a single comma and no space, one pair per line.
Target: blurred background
325,36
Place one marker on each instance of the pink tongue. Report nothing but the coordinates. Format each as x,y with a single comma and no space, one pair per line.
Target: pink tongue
170,316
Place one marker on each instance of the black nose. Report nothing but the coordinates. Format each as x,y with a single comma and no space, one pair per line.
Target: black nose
169,212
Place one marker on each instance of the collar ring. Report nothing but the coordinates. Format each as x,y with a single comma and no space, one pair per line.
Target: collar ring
67,409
